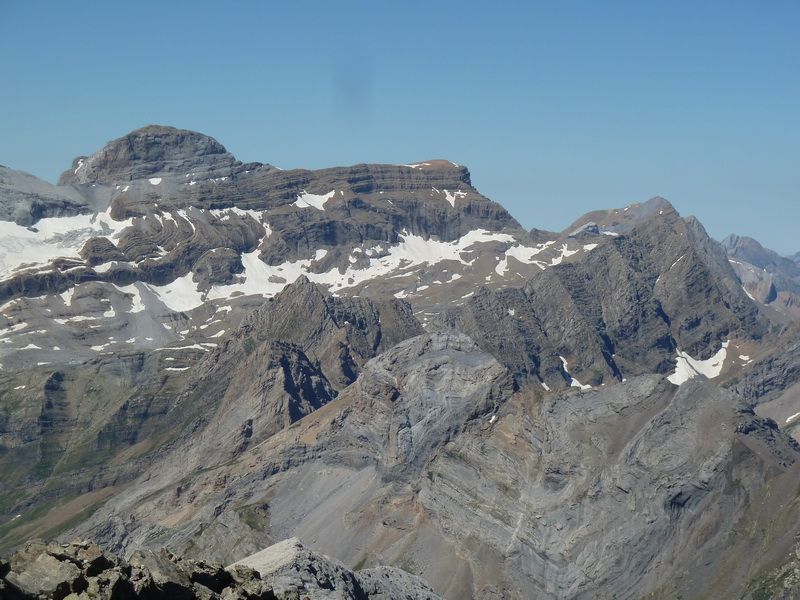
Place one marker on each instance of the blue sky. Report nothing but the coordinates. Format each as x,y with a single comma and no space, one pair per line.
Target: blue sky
557,108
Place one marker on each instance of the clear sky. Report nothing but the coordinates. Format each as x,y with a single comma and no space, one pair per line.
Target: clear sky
556,107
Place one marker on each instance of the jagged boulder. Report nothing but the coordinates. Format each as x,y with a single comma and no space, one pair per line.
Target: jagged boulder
80,570
290,568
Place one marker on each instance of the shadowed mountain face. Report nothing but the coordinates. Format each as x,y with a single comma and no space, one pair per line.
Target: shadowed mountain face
211,357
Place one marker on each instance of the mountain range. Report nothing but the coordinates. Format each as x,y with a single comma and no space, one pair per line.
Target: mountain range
203,358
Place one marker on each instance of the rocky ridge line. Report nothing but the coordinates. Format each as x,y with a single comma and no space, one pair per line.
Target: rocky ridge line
81,570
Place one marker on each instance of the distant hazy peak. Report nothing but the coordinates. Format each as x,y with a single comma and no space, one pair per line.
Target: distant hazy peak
752,251
618,220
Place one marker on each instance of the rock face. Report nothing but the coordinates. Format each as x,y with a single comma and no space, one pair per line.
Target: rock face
229,235
80,569
622,311
200,358
406,405
579,495
341,333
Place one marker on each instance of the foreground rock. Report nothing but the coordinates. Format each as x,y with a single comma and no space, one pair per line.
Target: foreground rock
286,570
290,567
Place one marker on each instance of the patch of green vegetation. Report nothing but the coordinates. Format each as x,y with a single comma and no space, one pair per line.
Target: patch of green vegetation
13,533
10,535
775,583
406,564
82,456
249,345
255,516
10,498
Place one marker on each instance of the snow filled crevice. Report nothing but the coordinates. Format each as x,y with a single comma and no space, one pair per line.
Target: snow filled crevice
451,196
572,381
687,367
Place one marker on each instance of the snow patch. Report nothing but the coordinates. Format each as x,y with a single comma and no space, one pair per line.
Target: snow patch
451,196
306,200
523,254
565,253
155,180
180,295
572,381
136,302
687,367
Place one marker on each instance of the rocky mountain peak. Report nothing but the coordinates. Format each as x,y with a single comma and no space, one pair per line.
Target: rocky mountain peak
751,250
620,220
149,151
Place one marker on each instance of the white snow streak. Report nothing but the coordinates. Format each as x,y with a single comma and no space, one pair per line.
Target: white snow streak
572,381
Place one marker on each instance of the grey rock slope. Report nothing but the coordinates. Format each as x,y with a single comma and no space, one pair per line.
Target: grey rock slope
341,333
751,251
407,403
432,461
771,382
